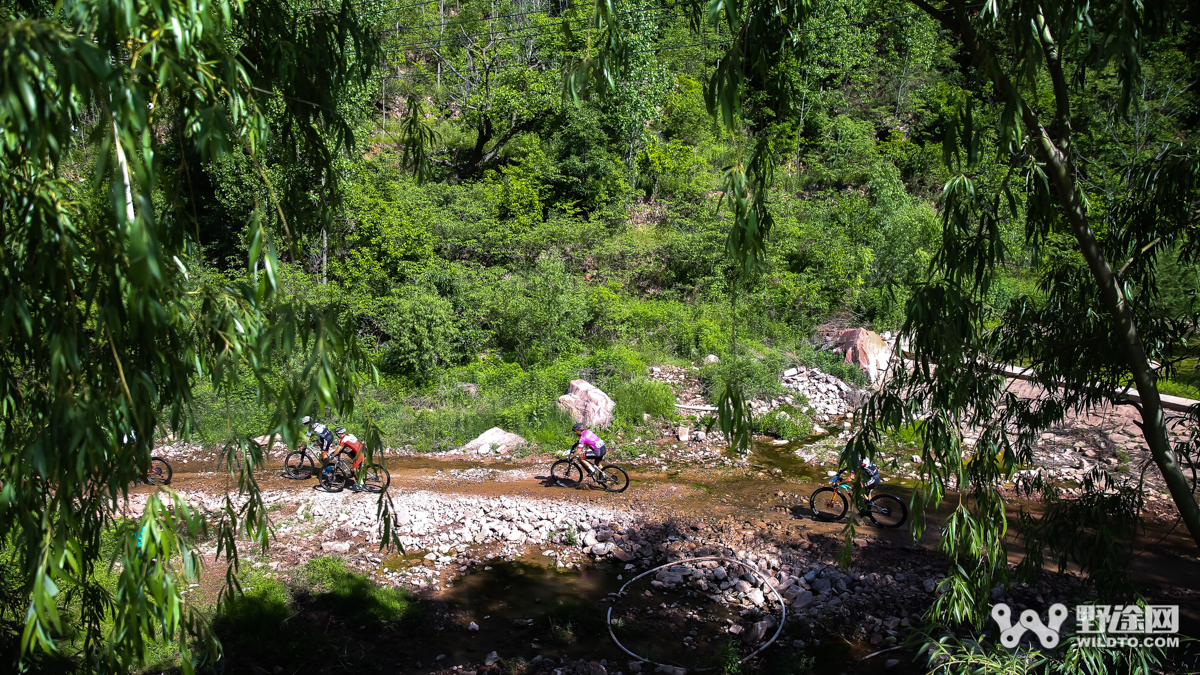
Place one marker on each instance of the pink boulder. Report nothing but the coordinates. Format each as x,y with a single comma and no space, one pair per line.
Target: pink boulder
587,404
866,350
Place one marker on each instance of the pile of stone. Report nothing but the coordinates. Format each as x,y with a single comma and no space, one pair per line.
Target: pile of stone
827,395
685,382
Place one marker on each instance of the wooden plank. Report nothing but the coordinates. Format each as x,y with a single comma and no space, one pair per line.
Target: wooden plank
705,408
1175,403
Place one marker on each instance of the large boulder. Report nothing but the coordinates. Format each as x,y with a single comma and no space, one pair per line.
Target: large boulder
587,404
494,440
866,350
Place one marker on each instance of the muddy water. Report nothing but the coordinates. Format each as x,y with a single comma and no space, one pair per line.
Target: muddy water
767,455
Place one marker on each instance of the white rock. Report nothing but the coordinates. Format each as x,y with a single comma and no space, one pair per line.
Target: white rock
473,626
684,434
336,546
711,359
493,437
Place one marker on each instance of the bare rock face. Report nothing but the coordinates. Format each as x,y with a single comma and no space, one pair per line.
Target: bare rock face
866,350
587,404
494,440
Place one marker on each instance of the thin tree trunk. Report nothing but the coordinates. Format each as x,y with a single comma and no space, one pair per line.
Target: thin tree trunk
123,165
324,257
1058,169
441,30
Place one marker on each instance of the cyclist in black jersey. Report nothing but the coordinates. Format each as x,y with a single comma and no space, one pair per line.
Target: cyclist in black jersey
322,433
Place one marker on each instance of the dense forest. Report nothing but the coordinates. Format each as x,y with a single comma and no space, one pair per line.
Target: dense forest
535,237
220,217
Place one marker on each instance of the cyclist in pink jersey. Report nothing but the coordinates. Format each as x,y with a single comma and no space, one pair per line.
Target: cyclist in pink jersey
592,445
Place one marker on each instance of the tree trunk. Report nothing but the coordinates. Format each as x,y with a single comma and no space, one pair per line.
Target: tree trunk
1058,170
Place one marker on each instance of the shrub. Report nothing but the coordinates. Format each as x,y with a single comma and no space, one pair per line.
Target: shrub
785,422
639,397
420,328
757,376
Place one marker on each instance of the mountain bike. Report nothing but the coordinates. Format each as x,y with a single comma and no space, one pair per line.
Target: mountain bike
301,464
159,473
340,474
569,473
830,503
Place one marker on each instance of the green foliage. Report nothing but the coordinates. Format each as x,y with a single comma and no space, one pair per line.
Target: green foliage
542,317
642,397
420,331
787,422
727,659
1091,322
685,119
109,107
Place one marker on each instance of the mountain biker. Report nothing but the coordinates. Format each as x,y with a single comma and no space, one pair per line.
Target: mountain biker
324,437
873,477
590,444
351,443
355,450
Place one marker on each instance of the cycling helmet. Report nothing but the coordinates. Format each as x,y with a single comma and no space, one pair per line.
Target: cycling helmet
305,420
340,431
578,427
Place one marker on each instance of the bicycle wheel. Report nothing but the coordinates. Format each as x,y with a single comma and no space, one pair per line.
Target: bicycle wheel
332,478
376,478
566,473
298,465
613,478
159,473
887,511
828,504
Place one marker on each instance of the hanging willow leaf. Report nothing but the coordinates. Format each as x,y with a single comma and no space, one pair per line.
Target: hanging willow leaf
105,327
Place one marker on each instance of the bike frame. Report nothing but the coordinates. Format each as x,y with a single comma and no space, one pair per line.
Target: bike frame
846,488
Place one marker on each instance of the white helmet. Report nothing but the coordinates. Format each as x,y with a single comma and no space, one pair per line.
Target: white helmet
305,420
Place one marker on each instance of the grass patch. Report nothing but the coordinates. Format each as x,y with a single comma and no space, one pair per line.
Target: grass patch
355,596
1180,389
276,624
643,397
257,617
784,422
567,622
